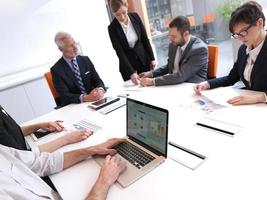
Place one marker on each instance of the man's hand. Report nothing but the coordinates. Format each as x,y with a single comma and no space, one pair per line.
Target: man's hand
106,147
109,173
201,86
77,136
94,95
51,126
134,78
147,82
153,64
111,170
146,74
247,99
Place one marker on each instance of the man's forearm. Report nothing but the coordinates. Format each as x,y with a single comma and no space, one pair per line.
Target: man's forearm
72,157
53,145
99,191
26,130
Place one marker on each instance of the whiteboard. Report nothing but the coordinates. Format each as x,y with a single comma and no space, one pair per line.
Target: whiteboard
27,34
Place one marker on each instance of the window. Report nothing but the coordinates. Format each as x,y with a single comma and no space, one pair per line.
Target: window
206,23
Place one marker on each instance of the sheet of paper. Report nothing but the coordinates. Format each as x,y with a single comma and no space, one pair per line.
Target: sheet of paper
207,105
81,125
199,102
129,86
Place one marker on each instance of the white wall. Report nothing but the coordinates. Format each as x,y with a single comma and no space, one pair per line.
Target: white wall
88,20
28,28
27,101
27,41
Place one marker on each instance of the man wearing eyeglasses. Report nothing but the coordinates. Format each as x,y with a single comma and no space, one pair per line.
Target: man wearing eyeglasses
247,25
74,76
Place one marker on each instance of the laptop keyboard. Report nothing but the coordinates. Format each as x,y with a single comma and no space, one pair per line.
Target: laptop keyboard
133,154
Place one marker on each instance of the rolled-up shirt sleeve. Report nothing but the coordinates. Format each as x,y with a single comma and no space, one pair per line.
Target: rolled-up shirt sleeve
43,164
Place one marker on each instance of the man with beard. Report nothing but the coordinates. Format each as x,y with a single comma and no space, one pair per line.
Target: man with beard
187,59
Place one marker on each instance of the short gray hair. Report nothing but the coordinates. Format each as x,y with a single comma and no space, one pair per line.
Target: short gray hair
60,36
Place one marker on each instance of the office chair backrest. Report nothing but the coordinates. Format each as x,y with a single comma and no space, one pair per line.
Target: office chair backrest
208,18
213,61
192,20
48,77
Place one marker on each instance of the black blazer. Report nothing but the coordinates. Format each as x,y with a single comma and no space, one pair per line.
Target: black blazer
10,132
258,74
66,84
135,59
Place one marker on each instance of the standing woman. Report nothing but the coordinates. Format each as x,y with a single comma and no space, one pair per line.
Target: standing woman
130,41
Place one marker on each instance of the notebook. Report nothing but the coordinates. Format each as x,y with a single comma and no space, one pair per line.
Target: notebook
146,145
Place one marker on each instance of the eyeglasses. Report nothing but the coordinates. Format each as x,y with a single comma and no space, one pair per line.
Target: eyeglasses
243,33
75,44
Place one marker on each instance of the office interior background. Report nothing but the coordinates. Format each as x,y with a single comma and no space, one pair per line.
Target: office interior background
28,50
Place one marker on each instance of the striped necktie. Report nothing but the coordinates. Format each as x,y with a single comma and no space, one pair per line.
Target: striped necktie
77,75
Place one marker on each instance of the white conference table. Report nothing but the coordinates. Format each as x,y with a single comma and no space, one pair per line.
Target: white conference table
235,167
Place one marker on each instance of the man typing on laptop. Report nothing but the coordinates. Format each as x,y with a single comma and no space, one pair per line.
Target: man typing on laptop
146,145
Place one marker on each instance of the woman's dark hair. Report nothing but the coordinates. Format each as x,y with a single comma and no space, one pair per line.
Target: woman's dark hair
181,23
116,4
248,13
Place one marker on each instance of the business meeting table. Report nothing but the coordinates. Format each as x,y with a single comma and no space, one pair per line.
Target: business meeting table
235,166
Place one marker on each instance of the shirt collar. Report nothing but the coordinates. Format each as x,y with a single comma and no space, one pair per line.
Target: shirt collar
185,45
126,26
254,52
69,60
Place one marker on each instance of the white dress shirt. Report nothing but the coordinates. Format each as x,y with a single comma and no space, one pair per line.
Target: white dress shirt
20,171
252,56
178,55
129,33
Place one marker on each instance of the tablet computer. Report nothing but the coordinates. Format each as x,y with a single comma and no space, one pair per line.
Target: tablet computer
103,102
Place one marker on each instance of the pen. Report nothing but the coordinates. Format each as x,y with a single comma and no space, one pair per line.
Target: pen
186,150
216,129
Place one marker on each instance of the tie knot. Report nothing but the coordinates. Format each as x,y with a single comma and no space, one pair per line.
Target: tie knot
74,63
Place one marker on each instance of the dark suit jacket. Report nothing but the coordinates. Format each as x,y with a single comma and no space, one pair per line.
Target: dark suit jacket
193,65
66,84
135,59
258,74
10,132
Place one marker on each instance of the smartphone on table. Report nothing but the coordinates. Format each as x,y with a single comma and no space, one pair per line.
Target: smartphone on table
39,134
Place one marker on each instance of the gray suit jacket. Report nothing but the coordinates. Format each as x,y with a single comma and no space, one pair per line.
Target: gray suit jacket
193,65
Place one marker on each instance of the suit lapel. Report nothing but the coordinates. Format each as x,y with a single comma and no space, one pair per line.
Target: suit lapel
243,62
68,71
259,63
187,49
135,25
120,32
172,55
81,67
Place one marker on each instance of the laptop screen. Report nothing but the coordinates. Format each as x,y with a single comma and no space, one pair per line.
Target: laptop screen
148,125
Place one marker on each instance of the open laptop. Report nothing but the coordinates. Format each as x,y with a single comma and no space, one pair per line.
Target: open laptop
146,145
